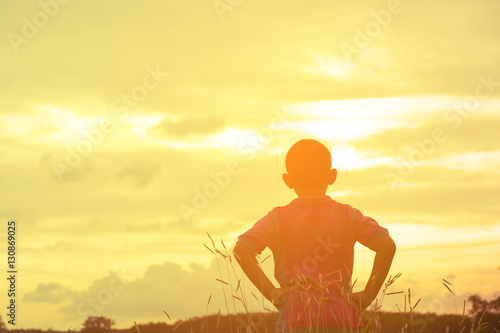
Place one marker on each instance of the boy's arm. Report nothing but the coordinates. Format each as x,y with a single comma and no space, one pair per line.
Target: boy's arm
385,249
252,269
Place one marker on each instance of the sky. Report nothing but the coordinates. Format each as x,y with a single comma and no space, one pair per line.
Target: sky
128,131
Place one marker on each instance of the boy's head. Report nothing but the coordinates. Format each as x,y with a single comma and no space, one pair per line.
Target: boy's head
309,166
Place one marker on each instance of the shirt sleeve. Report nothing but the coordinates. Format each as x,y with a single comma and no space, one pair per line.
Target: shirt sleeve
366,229
261,235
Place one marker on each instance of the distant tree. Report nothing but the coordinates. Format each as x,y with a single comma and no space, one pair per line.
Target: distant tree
480,305
495,305
97,324
3,328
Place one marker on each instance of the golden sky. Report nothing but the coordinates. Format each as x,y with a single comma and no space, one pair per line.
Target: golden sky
129,129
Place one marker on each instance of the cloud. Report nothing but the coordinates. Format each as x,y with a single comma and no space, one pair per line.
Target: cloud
49,293
163,287
142,171
459,134
186,128
466,194
233,63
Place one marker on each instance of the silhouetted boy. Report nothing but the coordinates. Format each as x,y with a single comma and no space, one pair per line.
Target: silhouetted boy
312,240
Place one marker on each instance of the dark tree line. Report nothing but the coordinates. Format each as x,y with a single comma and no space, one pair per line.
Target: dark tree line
480,305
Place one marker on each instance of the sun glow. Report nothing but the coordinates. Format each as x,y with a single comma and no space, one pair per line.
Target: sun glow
344,158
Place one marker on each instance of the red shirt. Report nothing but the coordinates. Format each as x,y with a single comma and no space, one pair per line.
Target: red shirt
312,240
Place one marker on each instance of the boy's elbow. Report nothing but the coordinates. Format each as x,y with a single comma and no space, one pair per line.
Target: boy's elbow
237,252
240,252
385,244
392,245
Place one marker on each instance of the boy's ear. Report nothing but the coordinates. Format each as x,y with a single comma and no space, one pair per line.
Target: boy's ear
332,176
288,180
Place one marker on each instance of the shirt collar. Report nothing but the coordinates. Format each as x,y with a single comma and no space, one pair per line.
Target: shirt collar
312,200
